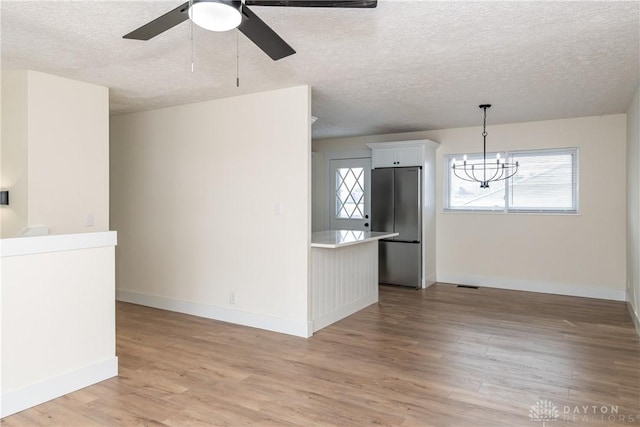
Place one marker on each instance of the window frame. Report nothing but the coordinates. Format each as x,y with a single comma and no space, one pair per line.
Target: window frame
506,208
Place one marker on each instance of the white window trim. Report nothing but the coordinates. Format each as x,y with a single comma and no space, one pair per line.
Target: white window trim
447,158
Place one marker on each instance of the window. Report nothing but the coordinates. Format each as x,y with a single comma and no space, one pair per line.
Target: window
547,182
350,193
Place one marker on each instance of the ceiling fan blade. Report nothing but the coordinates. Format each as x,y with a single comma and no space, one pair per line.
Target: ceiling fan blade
263,36
161,24
314,3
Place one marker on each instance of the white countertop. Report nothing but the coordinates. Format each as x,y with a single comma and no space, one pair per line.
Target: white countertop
56,243
332,239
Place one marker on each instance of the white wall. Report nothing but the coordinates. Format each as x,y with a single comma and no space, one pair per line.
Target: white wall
211,199
567,254
58,316
55,153
13,170
633,207
68,154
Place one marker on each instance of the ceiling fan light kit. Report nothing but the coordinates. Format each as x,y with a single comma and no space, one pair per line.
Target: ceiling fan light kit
216,15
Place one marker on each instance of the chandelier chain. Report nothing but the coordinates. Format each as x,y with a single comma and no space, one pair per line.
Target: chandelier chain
484,126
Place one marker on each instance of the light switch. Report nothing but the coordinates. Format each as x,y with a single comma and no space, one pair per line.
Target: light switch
277,208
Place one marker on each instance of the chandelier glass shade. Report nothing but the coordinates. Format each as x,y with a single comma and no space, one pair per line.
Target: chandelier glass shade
483,171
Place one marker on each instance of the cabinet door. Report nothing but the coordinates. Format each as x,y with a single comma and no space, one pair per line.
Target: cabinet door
409,156
384,157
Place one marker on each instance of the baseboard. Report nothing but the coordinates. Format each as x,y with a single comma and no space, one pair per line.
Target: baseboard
532,286
635,317
238,317
18,400
428,281
342,312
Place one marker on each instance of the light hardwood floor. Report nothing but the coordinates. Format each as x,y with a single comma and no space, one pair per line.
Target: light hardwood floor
444,356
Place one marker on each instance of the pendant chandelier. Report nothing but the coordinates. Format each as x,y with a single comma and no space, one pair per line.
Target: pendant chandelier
481,171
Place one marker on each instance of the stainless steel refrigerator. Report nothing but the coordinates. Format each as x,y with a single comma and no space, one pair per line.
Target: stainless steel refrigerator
396,206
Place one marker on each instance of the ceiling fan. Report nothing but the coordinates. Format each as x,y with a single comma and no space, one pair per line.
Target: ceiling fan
223,15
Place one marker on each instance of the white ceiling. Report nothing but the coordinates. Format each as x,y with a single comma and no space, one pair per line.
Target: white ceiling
404,66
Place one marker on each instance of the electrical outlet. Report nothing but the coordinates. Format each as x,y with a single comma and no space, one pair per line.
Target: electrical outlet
89,220
232,297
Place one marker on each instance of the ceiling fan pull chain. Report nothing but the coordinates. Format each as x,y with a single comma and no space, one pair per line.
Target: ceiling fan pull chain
238,50
192,65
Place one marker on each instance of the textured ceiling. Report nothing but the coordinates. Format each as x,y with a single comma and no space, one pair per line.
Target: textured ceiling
404,66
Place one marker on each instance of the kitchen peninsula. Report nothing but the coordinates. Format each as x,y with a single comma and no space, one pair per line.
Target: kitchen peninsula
344,273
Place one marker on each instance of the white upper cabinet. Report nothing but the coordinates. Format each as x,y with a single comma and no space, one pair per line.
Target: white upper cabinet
399,154
384,157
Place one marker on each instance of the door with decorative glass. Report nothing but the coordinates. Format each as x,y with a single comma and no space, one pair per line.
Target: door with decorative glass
349,194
